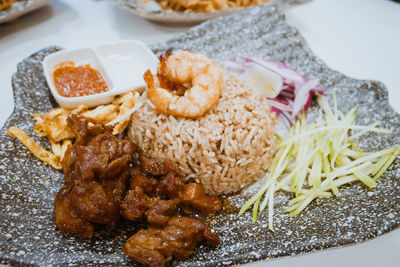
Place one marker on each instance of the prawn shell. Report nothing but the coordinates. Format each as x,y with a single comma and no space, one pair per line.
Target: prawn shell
178,70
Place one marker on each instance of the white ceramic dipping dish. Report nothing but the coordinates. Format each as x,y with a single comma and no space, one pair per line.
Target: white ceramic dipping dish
121,64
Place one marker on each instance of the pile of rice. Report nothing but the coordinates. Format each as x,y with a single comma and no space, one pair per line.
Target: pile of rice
228,148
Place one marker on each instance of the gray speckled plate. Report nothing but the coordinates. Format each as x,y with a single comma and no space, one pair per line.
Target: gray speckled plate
152,11
20,8
28,187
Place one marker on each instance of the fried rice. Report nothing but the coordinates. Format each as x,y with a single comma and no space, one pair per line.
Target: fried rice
228,148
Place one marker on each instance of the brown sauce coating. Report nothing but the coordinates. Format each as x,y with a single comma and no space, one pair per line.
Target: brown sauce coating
159,202
98,168
157,246
73,81
67,219
194,196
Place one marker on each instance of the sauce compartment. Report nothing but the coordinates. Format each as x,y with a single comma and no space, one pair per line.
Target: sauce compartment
121,65
123,60
78,57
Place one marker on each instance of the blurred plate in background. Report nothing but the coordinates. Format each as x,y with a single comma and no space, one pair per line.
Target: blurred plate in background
152,11
20,8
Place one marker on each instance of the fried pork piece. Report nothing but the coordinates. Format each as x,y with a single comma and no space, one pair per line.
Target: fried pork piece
158,201
144,199
67,219
97,151
99,202
177,239
194,196
96,170
171,166
170,186
148,185
136,203
152,167
160,212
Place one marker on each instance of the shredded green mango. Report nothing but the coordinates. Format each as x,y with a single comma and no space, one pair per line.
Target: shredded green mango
316,159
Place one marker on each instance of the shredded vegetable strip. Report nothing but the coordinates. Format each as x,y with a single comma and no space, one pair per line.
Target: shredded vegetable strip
316,159
339,127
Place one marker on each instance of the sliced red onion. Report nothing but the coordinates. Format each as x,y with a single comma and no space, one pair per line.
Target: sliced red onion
290,96
279,104
303,95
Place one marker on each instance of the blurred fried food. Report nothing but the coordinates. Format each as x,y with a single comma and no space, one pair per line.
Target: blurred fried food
54,126
37,150
126,102
103,113
6,4
206,6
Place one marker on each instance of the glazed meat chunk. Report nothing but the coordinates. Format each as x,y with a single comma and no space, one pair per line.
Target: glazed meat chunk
194,196
171,166
148,185
99,201
170,186
152,167
136,203
159,200
160,213
67,219
177,239
96,152
96,170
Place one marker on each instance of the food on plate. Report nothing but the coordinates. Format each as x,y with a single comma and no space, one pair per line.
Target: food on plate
157,246
98,168
6,4
205,6
96,171
158,200
74,81
226,149
199,123
288,92
194,196
315,159
36,150
54,126
187,84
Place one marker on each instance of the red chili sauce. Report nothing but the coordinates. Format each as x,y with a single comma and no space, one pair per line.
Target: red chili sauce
73,81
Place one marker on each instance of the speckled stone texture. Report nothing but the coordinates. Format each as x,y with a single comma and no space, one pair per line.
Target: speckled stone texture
28,186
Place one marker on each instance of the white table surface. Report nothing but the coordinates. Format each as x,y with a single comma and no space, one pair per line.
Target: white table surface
360,38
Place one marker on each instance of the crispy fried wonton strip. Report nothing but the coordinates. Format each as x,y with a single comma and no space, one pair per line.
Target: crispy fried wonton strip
103,113
37,150
64,146
56,148
127,102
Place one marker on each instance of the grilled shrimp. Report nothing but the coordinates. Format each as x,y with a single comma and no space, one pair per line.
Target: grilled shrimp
187,84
